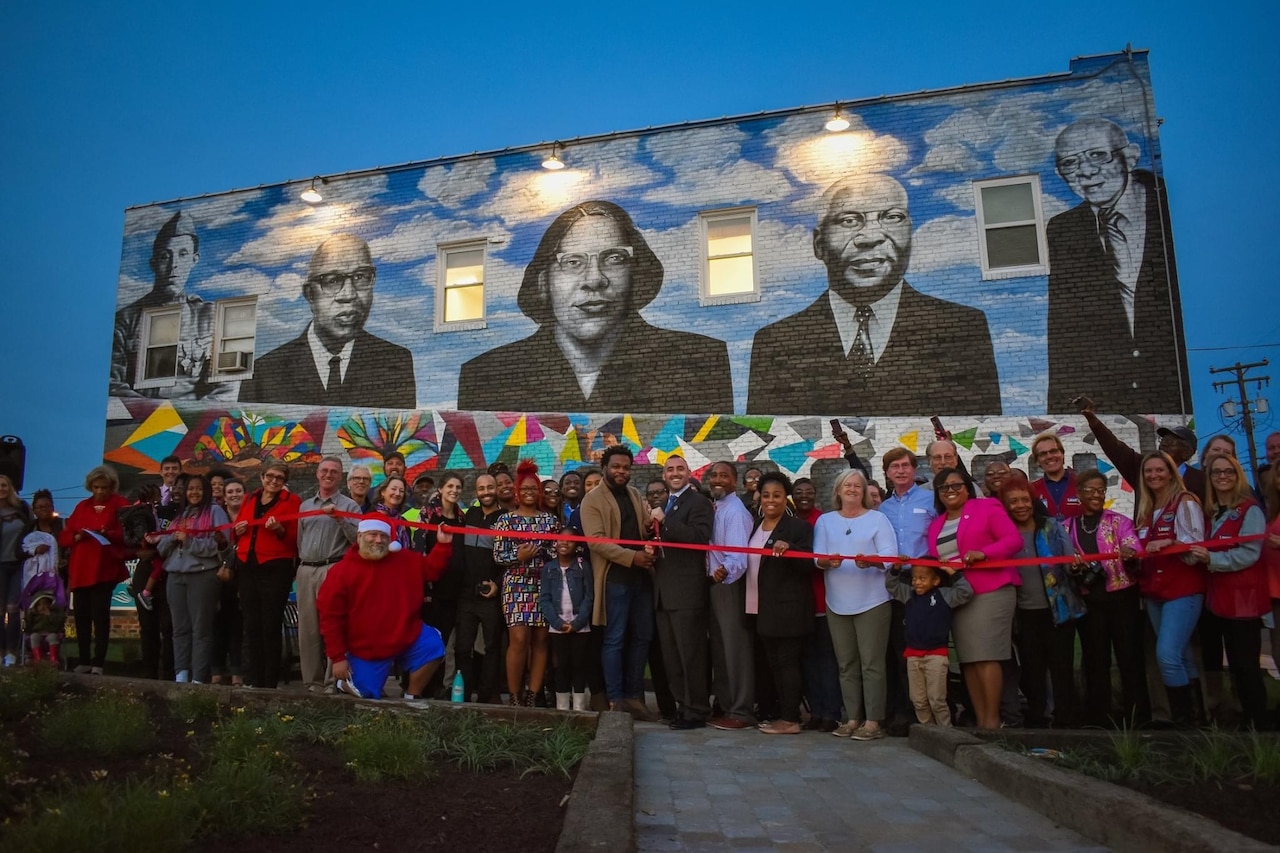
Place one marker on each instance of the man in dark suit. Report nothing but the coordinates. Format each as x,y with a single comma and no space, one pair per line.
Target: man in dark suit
335,362
872,345
1115,319
682,593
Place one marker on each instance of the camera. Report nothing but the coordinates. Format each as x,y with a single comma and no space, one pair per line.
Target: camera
1093,573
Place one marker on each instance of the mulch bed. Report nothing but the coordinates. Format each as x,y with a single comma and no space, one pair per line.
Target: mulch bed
454,809
1249,809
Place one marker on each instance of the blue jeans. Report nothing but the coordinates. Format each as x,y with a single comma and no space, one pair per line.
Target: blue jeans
1174,621
629,611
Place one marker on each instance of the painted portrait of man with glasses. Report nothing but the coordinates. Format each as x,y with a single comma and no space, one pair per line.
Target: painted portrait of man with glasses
335,362
1112,278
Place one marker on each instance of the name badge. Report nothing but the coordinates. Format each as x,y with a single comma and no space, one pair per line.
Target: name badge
919,511
1073,501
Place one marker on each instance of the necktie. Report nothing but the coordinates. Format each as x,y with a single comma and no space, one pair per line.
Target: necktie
335,374
1111,235
671,501
861,353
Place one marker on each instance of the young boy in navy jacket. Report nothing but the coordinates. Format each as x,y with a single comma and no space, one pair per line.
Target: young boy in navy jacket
566,599
928,607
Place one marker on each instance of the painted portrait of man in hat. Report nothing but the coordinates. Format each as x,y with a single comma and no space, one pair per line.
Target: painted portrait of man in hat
162,342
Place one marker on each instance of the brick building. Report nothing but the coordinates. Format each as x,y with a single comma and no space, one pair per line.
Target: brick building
722,287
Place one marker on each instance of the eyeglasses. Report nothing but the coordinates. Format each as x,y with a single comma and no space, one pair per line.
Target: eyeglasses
856,220
359,479
332,283
1093,490
275,478
530,490
615,259
1071,164
1223,472
1050,452
952,487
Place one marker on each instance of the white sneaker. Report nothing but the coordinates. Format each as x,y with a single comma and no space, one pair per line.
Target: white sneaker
345,686
83,669
183,677
10,660
95,670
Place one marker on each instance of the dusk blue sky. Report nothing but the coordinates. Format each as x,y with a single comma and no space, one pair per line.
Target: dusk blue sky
105,109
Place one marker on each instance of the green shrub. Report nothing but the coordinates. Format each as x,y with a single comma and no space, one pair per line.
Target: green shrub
1214,756
316,723
1262,756
102,725
26,689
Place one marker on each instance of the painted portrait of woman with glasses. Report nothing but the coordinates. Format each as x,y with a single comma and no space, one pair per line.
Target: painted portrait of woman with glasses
589,278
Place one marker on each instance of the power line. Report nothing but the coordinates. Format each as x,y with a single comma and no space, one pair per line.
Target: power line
1249,346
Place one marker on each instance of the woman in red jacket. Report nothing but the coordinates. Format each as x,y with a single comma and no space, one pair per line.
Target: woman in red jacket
96,542
1172,584
973,530
266,532
1236,592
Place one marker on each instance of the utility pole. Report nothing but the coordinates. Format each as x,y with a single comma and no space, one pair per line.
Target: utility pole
1247,407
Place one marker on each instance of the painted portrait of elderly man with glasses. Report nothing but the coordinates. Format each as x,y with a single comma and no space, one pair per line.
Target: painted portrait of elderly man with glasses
1112,278
335,362
589,278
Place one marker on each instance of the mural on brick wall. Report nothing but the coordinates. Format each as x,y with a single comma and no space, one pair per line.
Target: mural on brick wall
208,436
762,266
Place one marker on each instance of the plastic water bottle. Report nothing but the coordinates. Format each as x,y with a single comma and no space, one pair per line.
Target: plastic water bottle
458,694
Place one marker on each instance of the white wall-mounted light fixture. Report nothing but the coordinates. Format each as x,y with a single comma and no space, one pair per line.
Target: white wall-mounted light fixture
553,162
837,122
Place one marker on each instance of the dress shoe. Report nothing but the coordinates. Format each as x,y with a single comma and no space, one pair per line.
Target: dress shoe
638,710
729,724
828,726
685,724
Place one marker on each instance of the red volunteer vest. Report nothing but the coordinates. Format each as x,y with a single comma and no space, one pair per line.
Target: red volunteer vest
1166,577
1243,594
1071,506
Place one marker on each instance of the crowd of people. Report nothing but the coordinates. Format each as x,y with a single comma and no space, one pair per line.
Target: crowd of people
749,605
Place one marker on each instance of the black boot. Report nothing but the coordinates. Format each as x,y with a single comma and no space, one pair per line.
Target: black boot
1198,716
1180,706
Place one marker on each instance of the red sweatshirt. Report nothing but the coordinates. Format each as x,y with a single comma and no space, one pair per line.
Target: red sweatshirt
371,608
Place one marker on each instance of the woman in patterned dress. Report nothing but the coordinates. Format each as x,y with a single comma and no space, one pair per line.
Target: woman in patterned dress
522,560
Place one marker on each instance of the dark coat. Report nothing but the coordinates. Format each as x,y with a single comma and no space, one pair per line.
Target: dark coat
680,580
1091,350
380,376
650,370
938,361
785,584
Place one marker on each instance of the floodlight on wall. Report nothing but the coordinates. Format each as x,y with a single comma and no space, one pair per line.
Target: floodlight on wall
837,122
554,163
311,195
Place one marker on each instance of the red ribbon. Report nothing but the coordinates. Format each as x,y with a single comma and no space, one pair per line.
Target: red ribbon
1178,548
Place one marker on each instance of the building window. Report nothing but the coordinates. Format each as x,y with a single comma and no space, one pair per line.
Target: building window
729,268
1011,227
461,303
234,335
158,361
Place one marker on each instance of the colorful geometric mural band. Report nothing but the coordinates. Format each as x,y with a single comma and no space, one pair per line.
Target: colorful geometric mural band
205,437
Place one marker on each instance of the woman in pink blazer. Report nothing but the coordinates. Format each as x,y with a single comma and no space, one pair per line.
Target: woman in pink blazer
972,530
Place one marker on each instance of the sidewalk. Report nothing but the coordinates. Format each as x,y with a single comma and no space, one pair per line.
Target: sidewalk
744,791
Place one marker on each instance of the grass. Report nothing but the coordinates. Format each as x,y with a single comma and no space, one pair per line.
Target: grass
195,705
1212,756
386,747
103,725
25,689
247,782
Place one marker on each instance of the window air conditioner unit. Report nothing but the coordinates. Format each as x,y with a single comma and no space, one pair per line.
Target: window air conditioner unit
234,362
